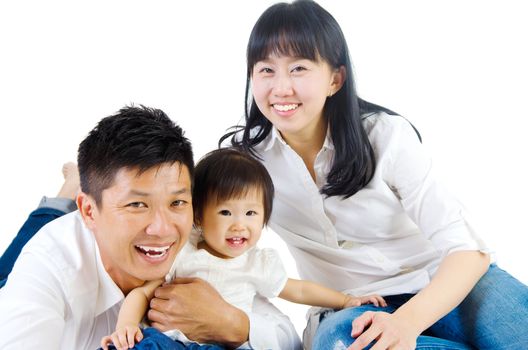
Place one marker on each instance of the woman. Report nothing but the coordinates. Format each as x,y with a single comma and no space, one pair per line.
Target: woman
358,204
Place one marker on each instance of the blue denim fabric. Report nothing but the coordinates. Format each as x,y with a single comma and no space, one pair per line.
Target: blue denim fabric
493,316
34,222
155,340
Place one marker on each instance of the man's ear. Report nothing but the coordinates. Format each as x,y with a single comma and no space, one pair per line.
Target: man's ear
87,208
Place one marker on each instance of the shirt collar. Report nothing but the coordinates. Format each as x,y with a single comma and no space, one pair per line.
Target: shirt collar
276,137
272,138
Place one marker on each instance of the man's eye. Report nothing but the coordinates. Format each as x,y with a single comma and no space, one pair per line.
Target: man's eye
178,203
137,205
224,212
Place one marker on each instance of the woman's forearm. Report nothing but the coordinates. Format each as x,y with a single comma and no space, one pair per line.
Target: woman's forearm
456,276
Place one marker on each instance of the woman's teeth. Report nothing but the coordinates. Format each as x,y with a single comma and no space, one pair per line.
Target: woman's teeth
285,108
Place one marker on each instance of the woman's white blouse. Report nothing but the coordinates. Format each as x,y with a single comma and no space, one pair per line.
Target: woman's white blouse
390,237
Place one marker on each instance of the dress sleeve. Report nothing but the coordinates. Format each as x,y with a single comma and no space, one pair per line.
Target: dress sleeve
438,214
32,306
271,273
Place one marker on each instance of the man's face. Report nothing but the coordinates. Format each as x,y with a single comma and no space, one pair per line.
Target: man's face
142,222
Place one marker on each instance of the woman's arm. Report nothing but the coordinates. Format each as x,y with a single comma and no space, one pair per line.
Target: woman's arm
310,293
456,276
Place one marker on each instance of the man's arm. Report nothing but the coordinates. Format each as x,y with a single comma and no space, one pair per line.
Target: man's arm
32,307
195,307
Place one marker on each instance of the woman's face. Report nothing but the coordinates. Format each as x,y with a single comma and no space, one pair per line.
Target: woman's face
291,93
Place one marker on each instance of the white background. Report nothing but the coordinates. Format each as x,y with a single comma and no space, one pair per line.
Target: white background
456,69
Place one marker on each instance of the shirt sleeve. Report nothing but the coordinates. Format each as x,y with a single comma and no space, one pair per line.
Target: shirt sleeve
438,214
32,307
271,329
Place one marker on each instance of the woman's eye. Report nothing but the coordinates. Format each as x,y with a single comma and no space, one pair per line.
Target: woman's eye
224,212
178,203
298,69
266,70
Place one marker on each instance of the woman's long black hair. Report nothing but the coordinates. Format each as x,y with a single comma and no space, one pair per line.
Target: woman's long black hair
305,29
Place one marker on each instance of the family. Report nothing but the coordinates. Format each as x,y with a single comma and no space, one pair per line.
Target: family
143,249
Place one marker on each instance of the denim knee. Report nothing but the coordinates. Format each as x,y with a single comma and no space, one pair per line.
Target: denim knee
335,328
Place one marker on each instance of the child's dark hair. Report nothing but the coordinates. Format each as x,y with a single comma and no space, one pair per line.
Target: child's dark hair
225,174
134,138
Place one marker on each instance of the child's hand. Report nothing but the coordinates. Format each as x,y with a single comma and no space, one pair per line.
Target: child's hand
123,338
351,301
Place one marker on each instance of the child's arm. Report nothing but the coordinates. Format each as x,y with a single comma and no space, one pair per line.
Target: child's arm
311,293
134,306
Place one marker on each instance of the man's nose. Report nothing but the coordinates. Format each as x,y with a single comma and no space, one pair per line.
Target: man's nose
160,224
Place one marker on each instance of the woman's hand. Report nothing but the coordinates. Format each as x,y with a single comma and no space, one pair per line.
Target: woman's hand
123,338
388,330
194,307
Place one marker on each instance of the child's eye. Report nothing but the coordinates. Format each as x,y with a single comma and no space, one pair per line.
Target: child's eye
136,205
224,212
251,213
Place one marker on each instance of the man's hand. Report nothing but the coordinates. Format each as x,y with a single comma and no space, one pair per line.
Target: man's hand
194,307
388,330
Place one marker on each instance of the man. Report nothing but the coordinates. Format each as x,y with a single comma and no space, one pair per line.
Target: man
135,214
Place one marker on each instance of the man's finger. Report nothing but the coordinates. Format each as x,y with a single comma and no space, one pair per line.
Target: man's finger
184,280
159,304
157,317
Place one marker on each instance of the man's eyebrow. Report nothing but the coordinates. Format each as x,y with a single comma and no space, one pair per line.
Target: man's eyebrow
181,191
146,194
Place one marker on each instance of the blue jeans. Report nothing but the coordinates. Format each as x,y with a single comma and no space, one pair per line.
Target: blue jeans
48,210
155,340
493,316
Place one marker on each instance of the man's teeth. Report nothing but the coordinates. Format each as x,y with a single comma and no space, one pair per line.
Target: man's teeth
153,251
285,108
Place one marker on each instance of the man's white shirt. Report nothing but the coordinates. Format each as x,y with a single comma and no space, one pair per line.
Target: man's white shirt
59,296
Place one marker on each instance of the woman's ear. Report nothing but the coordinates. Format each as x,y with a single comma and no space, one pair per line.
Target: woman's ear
338,79
87,208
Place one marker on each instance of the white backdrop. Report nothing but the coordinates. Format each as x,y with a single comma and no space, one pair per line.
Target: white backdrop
456,69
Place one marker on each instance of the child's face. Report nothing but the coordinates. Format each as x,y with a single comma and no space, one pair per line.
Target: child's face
232,227
291,92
